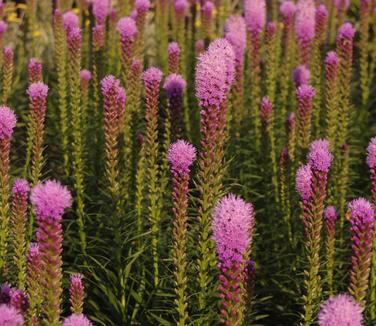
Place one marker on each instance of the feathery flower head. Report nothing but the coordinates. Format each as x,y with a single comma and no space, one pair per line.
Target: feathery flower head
181,156
3,27
339,4
74,37
34,66
199,46
7,122
173,49
339,311
9,316
5,293
266,108
8,54
235,34
305,92
142,6
19,300
371,153
33,250
37,91
70,20
346,32
77,320
287,9
98,36
76,280
127,28
174,85
21,187
319,156
332,59
361,211
303,182
181,7
305,20
330,213
50,199
271,29
255,15
207,9
110,88
291,120
85,75
321,15
101,9
301,75
152,76
233,220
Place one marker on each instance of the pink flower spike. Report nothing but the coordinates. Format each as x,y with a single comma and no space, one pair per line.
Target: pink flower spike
207,10
152,75
20,187
287,9
37,91
77,320
174,85
9,316
255,15
266,109
319,156
142,6
70,20
305,20
101,9
371,153
346,32
330,214
301,76
127,28
34,70
181,8
341,4
3,27
181,156
235,34
8,121
85,75
339,311
303,182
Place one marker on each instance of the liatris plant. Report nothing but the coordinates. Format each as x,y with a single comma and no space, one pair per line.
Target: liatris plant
34,287
290,126
152,78
50,199
301,75
7,123
70,21
305,29
371,162
311,184
20,193
330,217
304,95
7,74
77,320
174,87
272,58
85,77
331,97
255,17
3,29
235,34
76,294
128,33
341,6
340,310
9,316
34,71
214,77
142,8
344,45
101,9
233,224
362,220
173,58
207,21
181,156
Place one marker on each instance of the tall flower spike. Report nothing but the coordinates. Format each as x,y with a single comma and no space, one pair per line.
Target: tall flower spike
152,79
70,20
34,71
321,22
9,316
304,95
272,51
255,15
181,156
7,123
7,73
50,199
362,221
77,320
20,192
34,275
76,294
142,8
101,9
330,217
173,58
174,87
207,12
340,310
290,127
301,76
342,6
303,182
305,28
233,223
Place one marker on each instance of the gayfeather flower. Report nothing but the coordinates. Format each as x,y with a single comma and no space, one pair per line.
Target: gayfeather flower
362,220
20,192
255,15
50,199
142,8
301,76
305,28
181,156
101,9
77,320
173,52
339,311
98,36
34,69
70,21
5,293
321,22
3,28
19,300
7,123
9,316
76,293
304,95
199,47
233,224
174,87
287,9
342,6
7,73
303,182
181,7
85,77
207,12
330,217
319,157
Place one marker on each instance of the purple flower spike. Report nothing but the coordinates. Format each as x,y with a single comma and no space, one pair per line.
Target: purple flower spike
19,300
85,75
341,4
330,214
255,15
76,293
173,57
305,20
181,156
9,316
37,91
332,59
266,109
301,76
70,20
21,187
174,85
303,182
287,9
5,293
127,28
181,8
321,18
34,70
207,10
339,311
152,75
77,320
319,156
50,200
233,221
7,122
346,32
101,9
235,34
3,27
142,6
371,153
361,212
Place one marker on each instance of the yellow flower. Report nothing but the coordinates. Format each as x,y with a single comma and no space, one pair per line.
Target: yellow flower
76,11
37,33
12,18
21,6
